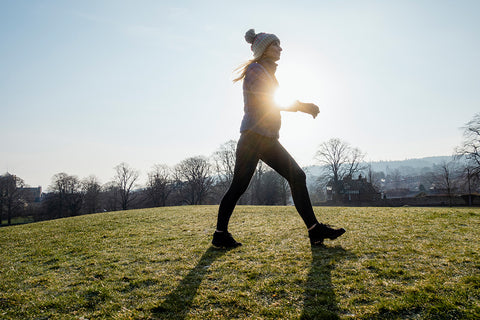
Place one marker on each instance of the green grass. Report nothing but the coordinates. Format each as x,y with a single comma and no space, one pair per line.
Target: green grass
17,220
393,263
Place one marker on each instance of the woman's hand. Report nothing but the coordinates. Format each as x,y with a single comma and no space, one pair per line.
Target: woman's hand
309,108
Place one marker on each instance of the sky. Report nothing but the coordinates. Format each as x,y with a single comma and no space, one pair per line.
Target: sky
86,85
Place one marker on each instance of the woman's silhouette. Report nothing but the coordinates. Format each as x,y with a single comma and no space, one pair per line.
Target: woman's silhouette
259,141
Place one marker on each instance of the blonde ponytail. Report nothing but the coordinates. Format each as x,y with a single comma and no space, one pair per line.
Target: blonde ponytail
241,70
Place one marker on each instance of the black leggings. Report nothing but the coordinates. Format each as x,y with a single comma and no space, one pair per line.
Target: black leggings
253,147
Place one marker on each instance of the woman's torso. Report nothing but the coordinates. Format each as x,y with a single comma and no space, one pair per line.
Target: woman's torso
261,116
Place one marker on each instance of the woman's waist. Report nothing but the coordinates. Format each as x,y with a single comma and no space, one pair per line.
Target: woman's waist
256,110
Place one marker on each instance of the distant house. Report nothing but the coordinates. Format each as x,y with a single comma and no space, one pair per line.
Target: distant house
401,193
31,194
353,190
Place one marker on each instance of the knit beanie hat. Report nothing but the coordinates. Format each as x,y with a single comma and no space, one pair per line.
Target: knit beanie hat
259,41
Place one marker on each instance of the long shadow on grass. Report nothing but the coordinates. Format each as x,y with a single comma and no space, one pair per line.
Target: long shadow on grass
320,301
177,304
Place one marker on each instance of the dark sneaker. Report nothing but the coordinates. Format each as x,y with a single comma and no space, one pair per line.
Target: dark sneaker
322,231
224,240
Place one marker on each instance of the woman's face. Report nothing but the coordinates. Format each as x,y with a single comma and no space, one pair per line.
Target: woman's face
273,51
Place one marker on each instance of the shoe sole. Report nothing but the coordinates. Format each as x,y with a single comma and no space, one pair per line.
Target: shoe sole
342,232
216,246
320,242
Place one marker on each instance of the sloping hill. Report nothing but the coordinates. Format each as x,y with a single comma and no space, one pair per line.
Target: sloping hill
158,264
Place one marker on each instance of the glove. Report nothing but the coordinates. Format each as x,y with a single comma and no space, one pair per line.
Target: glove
309,108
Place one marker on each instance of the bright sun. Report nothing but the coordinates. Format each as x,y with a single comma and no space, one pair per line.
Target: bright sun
295,84
289,92
284,98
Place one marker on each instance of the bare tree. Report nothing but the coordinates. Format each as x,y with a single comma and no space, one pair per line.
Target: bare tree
470,150
374,178
159,185
110,196
67,198
10,195
469,183
339,160
284,191
395,179
355,161
194,173
272,189
446,177
257,183
224,160
125,179
91,189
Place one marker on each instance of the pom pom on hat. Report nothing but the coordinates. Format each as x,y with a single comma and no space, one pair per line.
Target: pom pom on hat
259,41
250,36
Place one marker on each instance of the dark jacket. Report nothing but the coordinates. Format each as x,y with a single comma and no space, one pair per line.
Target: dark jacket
262,115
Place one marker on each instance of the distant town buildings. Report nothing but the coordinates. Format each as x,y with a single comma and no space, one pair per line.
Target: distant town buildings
360,192
352,190
31,194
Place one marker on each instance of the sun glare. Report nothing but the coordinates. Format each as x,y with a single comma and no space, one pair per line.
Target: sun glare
284,98
296,83
290,91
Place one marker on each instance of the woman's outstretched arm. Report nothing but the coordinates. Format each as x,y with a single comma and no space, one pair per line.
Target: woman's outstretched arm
308,108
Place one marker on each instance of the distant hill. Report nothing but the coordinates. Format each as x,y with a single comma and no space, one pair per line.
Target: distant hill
407,166
416,164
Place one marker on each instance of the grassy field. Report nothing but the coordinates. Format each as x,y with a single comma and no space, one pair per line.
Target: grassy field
393,263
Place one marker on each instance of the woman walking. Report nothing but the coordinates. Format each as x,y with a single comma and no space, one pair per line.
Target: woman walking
259,141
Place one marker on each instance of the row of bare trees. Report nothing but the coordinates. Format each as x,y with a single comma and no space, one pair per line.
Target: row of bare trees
202,180
193,181
461,175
